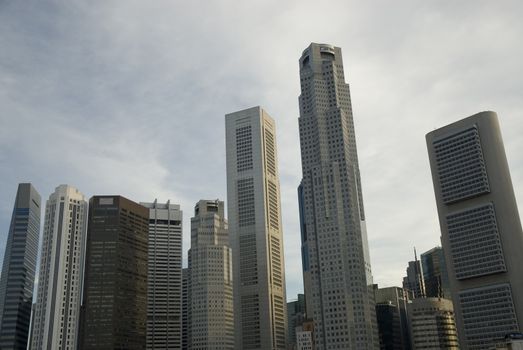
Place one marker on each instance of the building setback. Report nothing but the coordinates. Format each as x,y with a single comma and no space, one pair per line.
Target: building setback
164,283
432,324
253,194
212,314
18,270
480,228
338,280
57,316
115,288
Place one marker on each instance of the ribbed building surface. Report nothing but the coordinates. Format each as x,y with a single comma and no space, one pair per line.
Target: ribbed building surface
164,272
481,230
57,315
18,270
114,313
212,309
337,271
432,324
253,194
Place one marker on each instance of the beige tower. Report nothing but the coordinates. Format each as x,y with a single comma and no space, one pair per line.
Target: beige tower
210,268
480,228
253,194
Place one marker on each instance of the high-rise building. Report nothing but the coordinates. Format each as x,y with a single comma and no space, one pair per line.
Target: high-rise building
435,273
480,228
114,314
164,276
185,308
211,302
391,312
337,254
57,315
18,270
414,282
295,317
253,193
432,324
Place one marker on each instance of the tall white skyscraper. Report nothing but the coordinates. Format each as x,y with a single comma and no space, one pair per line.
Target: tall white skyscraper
338,279
164,276
253,194
57,316
212,314
481,230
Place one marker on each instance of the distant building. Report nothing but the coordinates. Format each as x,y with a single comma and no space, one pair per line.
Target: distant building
185,308
481,230
115,288
414,282
164,283
255,228
391,312
57,315
435,274
18,270
211,302
432,324
305,336
512,341
295,317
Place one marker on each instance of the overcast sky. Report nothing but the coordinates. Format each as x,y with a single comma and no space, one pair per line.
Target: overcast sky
128,97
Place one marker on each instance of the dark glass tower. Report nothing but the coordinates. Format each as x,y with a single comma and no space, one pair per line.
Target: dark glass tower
340,292
18,271
115,288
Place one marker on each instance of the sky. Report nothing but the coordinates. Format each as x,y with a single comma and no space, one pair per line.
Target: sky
129,97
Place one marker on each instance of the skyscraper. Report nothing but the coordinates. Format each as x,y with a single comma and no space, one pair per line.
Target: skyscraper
435,273
480,228
185,308
337,252
212,314
114,314
295,318
18,270
57,315
164,272
253,194
414,282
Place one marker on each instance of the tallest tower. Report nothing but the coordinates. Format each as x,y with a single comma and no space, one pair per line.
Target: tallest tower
337,273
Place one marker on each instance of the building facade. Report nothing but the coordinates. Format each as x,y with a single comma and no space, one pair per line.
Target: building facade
414,282
164,272
211,303
337,254
253,194
295,317
114,312
435,273
432,324
57,315
480,228
391,313
18,270
185,308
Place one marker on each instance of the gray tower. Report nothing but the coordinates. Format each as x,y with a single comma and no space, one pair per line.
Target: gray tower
340,290
480,228
253,194
164,276
212,314
18,271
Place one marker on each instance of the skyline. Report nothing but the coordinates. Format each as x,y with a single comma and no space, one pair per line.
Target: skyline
117,93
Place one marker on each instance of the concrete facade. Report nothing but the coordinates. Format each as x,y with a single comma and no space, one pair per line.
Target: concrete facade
212,309
164,272
480,228
338,279
57,315
253,194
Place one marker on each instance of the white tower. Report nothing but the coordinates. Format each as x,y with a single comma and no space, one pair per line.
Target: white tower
253,194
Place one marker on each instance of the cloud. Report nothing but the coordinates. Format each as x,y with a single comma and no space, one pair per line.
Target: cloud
129,97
